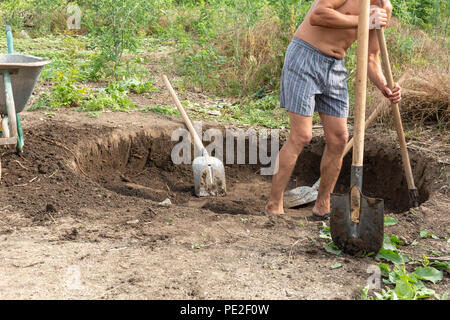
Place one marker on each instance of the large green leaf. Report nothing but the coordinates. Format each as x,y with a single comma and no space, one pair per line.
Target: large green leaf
441,265
404,290
388,221
396,241
332,248
392,256
429,274
387,244
426,234
424,293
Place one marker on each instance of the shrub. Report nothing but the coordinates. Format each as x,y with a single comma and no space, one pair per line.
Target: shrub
113,26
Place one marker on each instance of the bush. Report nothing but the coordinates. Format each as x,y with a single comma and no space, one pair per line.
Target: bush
423,13
39,16
114,28
65,92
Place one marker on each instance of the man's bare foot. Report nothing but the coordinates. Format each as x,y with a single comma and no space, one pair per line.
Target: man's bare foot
322,207
272,209
319,213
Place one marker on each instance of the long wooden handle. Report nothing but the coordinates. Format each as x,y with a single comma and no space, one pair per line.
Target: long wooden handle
395,110
198,143
360,109
361,82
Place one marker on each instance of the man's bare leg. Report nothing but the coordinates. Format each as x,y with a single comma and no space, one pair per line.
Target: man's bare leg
336,137
299,136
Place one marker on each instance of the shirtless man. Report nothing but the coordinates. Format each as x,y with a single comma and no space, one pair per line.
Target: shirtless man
314,78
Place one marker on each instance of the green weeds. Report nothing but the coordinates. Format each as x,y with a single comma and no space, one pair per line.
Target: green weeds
399,283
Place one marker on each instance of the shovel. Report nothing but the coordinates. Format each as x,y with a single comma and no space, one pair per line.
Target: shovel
209,172
357,221
413,195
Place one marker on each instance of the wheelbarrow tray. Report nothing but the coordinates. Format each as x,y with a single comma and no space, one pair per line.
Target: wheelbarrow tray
25,71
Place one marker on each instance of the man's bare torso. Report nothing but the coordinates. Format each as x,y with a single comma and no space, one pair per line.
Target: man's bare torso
331,41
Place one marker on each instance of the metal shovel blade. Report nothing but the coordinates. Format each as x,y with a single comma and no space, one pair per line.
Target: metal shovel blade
209,177
357,238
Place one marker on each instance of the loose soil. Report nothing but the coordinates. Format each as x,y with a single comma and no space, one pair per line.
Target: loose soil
80,217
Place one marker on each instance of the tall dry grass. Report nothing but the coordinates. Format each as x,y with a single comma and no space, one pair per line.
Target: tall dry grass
258,55
426,97
419,61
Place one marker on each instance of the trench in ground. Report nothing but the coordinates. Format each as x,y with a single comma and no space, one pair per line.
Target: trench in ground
139,164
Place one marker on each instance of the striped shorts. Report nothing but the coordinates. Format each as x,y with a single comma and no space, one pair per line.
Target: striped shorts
313,81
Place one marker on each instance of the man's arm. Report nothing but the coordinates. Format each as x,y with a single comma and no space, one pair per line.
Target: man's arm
326,15
375,71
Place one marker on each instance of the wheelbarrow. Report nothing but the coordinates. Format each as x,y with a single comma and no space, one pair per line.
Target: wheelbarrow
19,75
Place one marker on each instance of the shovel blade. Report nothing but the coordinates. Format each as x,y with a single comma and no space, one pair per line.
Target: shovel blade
209,177
357,238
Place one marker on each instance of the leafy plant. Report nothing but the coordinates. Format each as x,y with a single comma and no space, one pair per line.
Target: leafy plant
429,274
161,109
393,256
65,92
324,232
330,247
114,26
138,86
388,221
406,286
426,234
43,102
108,99
264,112
202,66
440,265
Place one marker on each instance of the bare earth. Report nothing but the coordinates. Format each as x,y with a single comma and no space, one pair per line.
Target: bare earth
79,218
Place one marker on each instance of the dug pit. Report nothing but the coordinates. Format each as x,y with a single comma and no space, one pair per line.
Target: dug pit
138,164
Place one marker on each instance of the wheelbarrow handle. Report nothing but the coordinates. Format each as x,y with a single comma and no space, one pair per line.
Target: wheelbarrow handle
9,39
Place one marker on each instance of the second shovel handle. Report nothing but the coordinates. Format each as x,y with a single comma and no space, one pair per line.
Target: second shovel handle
198,143
369,121
395,109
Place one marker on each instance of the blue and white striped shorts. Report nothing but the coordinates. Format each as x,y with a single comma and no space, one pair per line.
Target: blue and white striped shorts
313,81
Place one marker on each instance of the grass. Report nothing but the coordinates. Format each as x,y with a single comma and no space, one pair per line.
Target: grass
228,49
161,109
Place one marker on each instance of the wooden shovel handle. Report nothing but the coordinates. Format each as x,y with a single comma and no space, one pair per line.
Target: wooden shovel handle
361,82
360,102
395,110
198,143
